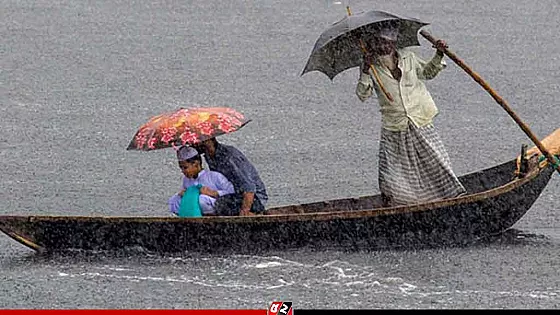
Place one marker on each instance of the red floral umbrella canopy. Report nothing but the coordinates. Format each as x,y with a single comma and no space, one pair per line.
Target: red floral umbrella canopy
186,126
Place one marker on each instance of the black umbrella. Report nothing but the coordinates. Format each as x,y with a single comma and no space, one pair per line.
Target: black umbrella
338,48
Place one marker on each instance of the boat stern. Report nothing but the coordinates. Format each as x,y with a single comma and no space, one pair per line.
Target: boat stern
12,226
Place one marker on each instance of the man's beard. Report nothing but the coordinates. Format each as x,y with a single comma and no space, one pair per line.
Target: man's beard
387,60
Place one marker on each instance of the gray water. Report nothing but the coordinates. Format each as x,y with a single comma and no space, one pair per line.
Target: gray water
79,77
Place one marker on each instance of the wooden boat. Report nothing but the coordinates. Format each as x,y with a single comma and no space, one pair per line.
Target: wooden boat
496,199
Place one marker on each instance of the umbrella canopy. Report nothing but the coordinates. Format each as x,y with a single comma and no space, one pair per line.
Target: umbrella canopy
186,126
338,48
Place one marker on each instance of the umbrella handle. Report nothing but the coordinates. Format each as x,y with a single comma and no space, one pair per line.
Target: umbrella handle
498,99
376,75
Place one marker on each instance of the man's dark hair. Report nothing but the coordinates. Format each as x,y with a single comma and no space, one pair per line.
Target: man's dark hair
214,140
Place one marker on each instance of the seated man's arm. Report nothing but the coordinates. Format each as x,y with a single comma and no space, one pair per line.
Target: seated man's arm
247,203
246,184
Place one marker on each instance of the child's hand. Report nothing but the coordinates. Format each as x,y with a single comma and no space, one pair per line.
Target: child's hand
209,192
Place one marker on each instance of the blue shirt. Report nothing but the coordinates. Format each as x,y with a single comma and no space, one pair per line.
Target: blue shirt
237,168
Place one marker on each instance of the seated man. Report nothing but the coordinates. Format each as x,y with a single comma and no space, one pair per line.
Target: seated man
250,193
213,184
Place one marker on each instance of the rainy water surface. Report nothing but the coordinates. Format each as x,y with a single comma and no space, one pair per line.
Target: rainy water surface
79,77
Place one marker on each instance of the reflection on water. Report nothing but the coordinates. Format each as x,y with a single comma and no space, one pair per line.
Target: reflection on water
351,274
511,237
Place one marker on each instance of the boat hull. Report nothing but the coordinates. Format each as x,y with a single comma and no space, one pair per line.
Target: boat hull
490,208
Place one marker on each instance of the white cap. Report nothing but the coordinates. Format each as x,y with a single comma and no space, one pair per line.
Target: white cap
185,153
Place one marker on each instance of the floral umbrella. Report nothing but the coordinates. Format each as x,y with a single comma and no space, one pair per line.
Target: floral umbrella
186,126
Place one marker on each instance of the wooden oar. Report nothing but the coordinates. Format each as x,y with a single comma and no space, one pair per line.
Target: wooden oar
551,158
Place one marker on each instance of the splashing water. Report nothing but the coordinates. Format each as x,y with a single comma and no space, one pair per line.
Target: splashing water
337,3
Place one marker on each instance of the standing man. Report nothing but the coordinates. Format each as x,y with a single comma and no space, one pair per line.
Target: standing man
413,163
250,195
